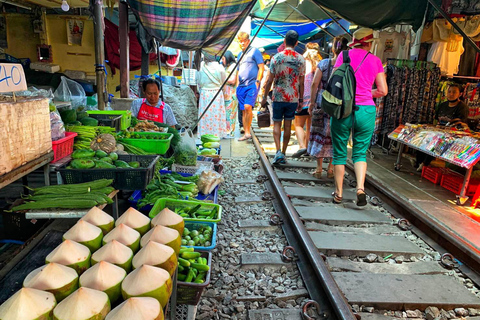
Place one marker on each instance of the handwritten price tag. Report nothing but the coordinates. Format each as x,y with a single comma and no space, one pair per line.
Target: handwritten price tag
12,77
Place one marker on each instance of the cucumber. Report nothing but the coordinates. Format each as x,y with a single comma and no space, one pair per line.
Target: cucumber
121,164
101,154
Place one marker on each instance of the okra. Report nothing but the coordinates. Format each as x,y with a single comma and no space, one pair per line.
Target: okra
194,209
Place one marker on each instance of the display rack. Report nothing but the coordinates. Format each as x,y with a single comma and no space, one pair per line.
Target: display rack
461,198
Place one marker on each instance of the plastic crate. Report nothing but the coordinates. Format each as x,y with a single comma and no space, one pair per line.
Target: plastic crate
123,178
16,226
151,145
207,165
126,116
453,182
173,204
189,292
473,184
63,147
433,174
195,225
108,120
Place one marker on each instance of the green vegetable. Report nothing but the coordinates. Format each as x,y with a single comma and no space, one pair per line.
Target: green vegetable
190,276
82,163
200,278
209,138
121,164
100,184
200,267
68,115
190,255
101,154
183,262
88,121
48,204
99,164
107,160
183,249
134,164
83,154
208,152
181,277
113,156
211,145
100,199
81,115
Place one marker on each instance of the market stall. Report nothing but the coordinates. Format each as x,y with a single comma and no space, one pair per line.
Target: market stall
455,147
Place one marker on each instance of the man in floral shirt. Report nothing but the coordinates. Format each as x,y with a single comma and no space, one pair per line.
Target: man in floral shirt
287,73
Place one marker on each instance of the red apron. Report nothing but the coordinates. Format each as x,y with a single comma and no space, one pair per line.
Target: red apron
147,112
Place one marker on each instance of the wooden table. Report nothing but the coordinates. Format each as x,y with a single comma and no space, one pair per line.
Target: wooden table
27,168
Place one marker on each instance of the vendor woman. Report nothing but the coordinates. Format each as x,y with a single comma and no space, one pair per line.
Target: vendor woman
449,113
151,107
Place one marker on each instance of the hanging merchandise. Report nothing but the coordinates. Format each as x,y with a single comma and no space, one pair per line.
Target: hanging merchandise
412,94
448,61
393,43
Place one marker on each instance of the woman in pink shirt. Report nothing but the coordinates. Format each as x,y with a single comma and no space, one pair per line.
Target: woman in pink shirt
368,70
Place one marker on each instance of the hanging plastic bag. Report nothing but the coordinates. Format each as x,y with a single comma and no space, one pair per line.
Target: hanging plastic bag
208,181
186,150
56,124
69,90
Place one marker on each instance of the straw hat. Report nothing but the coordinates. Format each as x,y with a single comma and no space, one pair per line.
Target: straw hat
362,36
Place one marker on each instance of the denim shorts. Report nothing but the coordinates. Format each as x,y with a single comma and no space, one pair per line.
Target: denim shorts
284,110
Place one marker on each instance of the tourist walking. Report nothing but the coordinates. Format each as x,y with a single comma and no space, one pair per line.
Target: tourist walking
320,141
250,73
368,70
210,78
287,73
303,118
231,102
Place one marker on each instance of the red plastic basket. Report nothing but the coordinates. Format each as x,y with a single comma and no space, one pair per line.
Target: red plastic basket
433,174
472,187
452,182
63,147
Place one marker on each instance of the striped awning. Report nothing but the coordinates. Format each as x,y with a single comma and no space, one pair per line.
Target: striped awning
192,24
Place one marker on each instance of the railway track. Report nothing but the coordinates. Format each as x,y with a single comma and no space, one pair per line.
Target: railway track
367,262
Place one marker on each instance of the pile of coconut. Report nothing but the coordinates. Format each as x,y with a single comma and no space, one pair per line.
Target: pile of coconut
102,262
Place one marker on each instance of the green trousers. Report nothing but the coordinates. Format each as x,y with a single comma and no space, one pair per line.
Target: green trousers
363,125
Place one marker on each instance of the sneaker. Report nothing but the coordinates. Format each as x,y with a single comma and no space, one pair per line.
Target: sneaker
279,157
283,160
420,167
299,153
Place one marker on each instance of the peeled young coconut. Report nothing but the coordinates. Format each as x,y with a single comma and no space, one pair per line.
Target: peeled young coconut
83,304
71,254
157,255
135,219
99,218
29,304
105,277
125,235
85,233
168,218
138,308
116,253
163,235
55,278
148,281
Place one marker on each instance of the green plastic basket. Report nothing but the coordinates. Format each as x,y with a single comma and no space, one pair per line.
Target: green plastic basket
172,204
151,145
126,116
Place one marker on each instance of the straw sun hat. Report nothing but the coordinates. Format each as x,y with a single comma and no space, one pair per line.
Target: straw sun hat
361,37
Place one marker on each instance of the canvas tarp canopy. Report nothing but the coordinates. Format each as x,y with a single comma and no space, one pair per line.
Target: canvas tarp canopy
374,14
193,25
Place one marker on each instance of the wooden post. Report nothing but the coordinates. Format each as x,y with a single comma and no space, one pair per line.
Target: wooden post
145,71
123,29
99,52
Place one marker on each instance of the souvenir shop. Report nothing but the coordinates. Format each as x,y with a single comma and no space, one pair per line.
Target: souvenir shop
420,68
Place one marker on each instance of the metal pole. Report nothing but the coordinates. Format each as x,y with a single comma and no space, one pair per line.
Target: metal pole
447,17
99,52
331,17
123,29
314,22
236,65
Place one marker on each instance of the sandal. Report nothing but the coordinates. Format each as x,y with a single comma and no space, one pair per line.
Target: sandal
336,198
317,175
244,138
330,174
361,198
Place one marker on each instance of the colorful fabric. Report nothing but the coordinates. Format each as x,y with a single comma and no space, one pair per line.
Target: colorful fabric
365,75
193,25
307,89
287,67
248,68
213,122
231,105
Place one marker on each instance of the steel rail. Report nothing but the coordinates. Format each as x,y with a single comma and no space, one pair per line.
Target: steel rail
338,302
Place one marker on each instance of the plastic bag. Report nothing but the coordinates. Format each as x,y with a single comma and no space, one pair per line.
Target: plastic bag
56,125
69,90
208,181
186,150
